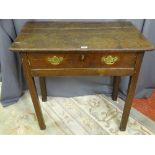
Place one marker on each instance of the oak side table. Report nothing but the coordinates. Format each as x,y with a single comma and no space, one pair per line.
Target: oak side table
81,48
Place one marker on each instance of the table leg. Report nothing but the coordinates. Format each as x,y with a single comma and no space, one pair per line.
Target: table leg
33,92
42,81
116,81
131,92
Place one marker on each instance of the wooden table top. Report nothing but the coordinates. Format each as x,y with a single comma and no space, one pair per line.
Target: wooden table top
80,36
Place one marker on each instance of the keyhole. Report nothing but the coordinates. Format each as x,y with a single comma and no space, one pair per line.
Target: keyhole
82,57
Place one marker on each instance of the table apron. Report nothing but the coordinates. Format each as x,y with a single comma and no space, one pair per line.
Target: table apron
83,72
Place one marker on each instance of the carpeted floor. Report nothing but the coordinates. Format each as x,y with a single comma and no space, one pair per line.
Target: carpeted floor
84,115
146,106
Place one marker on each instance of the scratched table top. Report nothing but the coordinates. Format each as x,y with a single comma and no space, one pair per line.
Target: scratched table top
80,36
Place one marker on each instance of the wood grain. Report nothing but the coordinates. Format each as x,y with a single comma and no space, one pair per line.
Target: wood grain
131,92
42,82
63,36
83,60
33,92
82,47
83,72
116,82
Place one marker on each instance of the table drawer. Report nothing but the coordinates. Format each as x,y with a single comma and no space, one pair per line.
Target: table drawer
78,60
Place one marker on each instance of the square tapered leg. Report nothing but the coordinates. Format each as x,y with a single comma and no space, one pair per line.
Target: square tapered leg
33,92
42,81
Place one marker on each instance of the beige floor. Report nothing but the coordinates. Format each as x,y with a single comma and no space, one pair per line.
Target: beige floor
84,115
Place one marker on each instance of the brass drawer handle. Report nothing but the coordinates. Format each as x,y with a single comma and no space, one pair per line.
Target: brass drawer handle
109,60
55,60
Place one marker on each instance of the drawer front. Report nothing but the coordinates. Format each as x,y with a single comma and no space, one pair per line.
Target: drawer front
42,61
91,60
112,60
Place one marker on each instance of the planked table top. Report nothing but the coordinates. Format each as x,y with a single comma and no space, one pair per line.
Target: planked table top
80,36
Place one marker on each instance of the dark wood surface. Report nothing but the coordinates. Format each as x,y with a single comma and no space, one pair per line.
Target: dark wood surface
81,49
84,60
116,81
83,72
76,36
33,92
42,82
131,92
